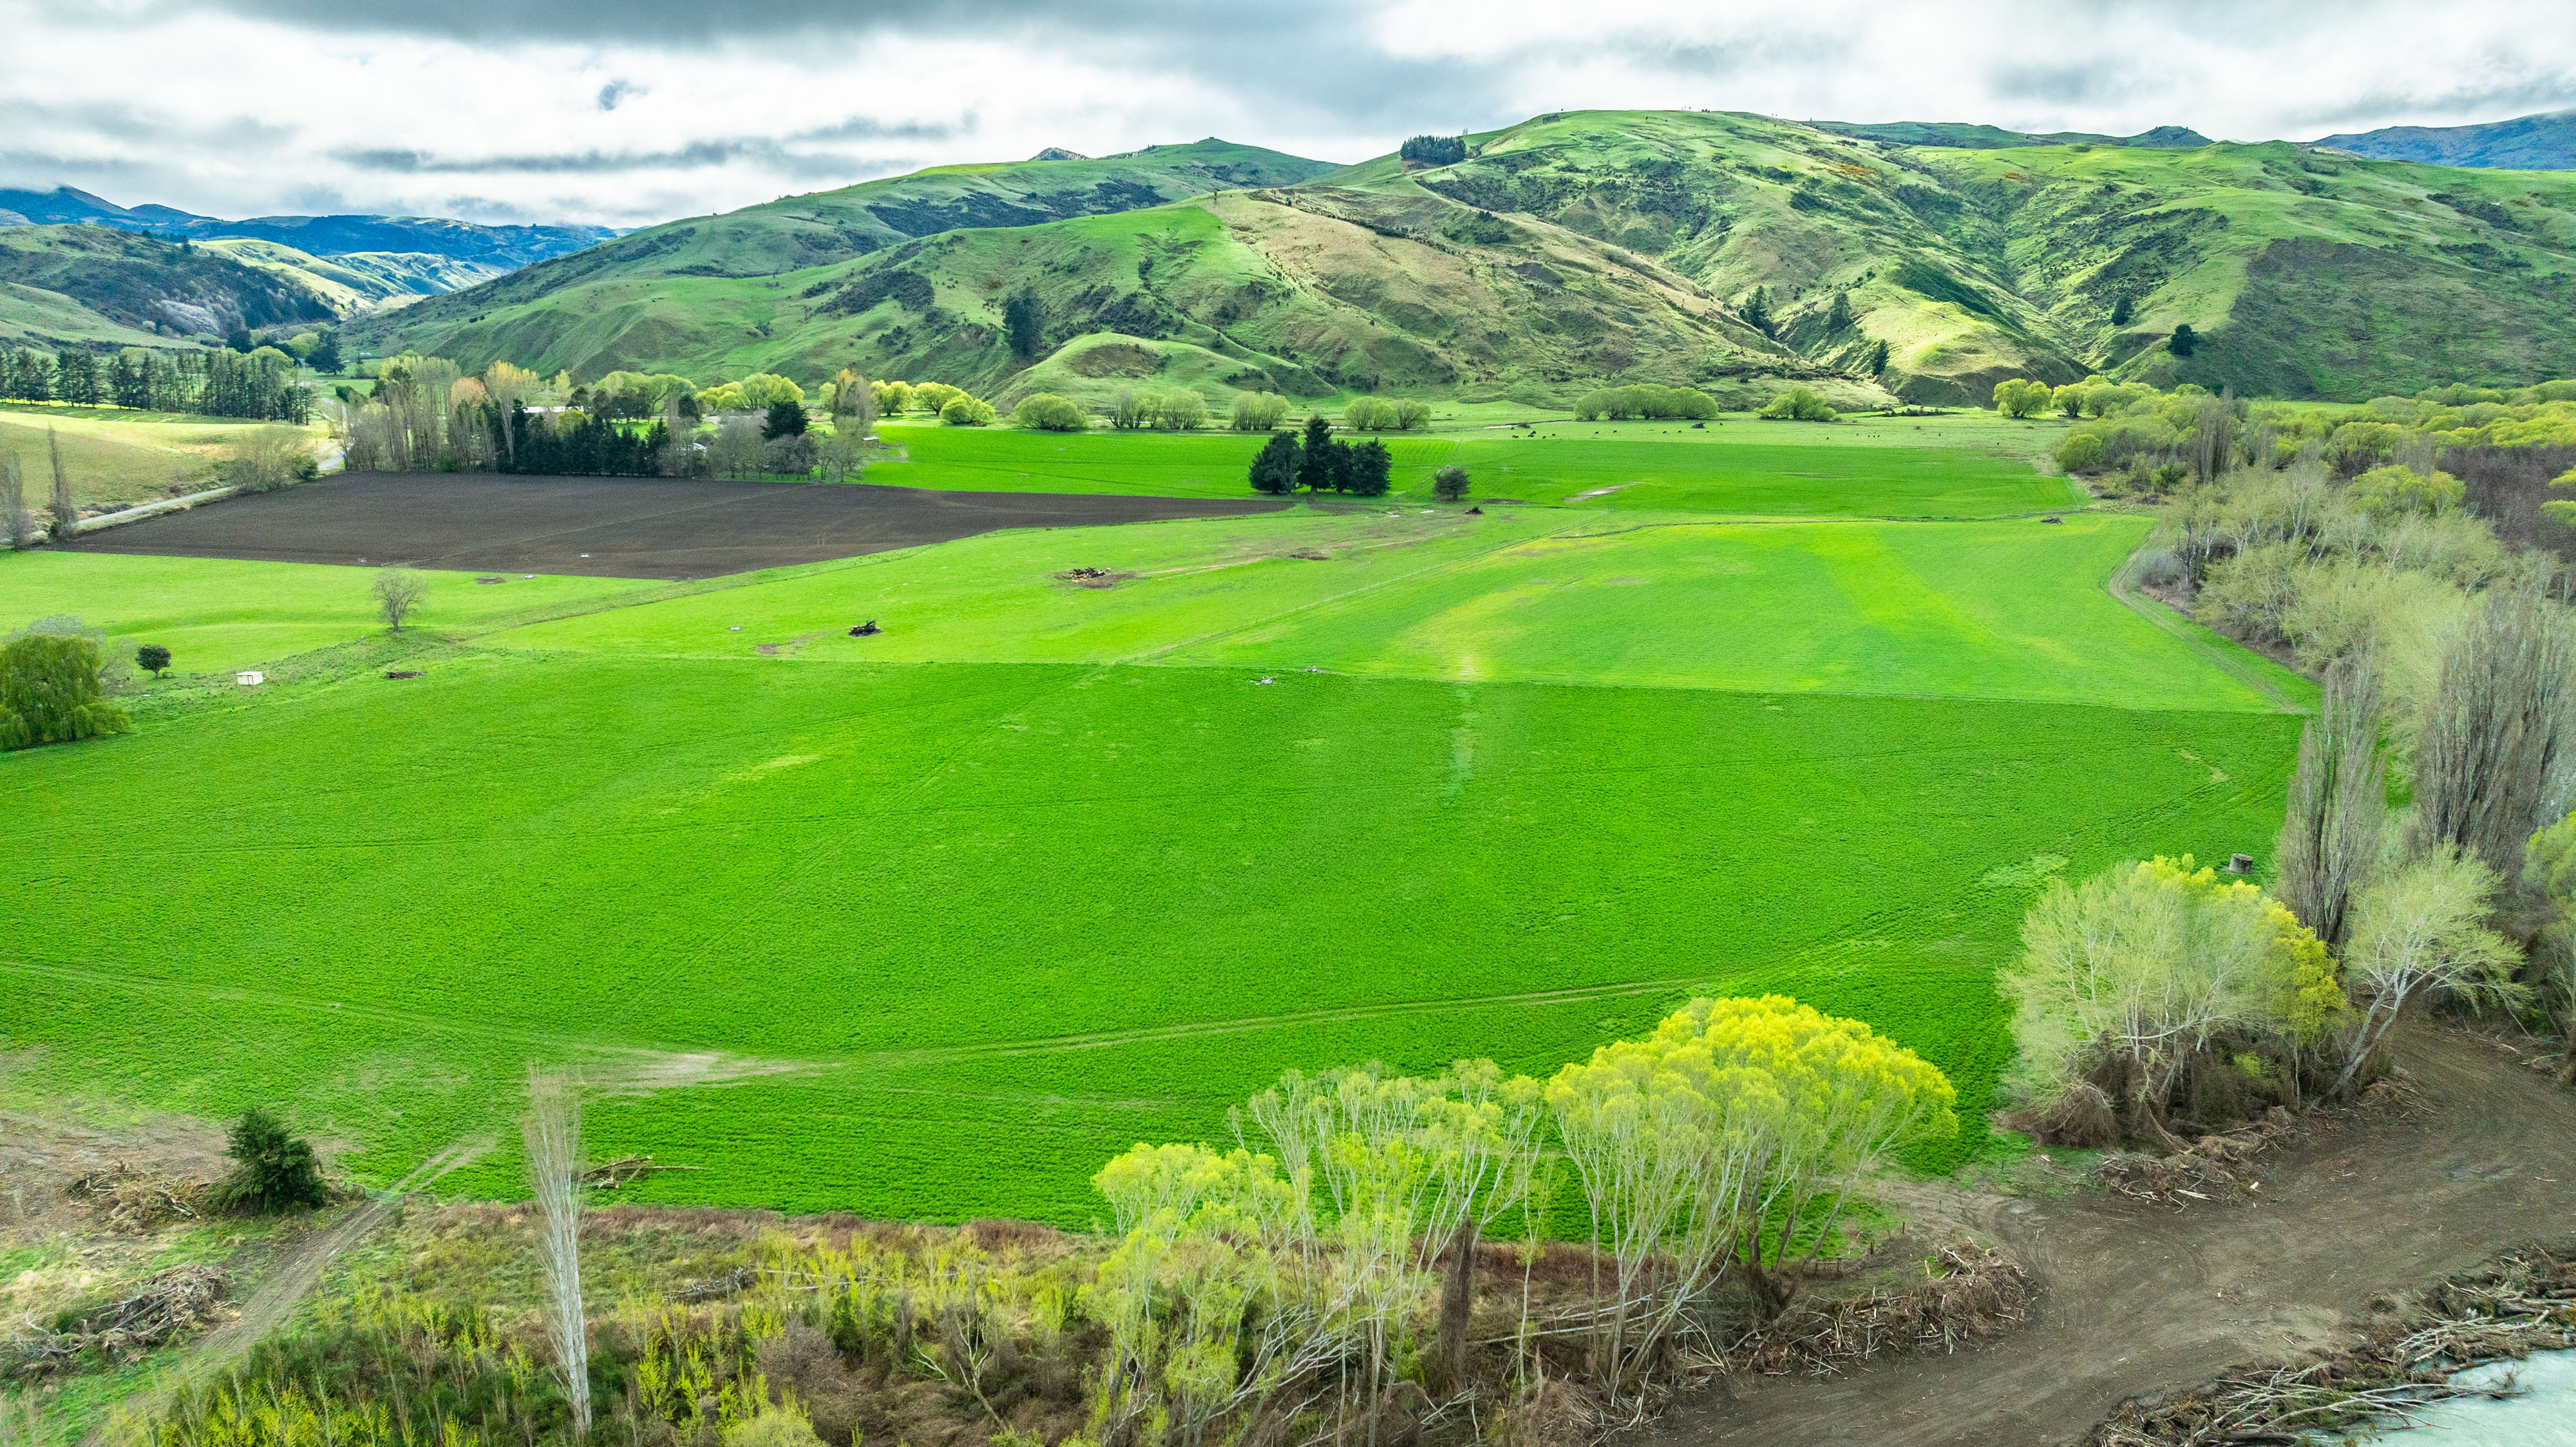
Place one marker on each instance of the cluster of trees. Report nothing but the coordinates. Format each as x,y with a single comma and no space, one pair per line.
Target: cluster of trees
949,404
1322,463
2137,429
2450,664
1179,410
260,385
1375,414
1724,1147
1259,411
1797,404
1645,400
426,415
1434,150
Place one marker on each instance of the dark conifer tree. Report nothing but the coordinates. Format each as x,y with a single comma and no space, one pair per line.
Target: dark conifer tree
1274,468
1368,470
1020,324
1315,471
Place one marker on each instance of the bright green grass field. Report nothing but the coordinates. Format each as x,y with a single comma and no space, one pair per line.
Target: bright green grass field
1993,610
216,615
1732,466
989,924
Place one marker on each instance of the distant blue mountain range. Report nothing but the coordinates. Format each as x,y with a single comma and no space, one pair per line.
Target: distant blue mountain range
505,247
2525,143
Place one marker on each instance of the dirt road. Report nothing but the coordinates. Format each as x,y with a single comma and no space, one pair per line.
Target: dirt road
2138,1299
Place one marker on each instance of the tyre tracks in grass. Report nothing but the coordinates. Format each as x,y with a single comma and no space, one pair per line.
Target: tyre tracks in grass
2122,585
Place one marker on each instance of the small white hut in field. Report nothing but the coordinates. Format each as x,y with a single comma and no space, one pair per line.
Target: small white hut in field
250,678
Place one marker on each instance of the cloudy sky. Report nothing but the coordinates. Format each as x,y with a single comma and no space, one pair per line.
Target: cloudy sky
630,111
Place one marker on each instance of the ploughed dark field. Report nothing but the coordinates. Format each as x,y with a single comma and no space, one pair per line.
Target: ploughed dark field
612,527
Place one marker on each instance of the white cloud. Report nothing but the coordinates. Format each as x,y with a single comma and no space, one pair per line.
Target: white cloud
641,109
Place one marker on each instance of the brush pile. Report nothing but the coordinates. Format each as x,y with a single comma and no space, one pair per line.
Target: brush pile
159,1311
1979,1292
2524,1302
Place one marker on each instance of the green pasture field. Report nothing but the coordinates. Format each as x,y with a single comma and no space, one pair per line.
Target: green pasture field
935,940
2012,609
217,615
929,924
115,455
1734,466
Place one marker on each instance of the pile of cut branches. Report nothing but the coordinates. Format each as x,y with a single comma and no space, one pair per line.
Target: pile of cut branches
1978,1292
2522,1303
137,1202
154,1313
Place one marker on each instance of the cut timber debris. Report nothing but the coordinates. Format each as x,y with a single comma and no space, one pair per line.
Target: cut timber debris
2524,1302
1979,1293
137,1202
159,1310
618,1173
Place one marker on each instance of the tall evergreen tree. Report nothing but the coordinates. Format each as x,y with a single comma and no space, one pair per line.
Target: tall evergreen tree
1757,311
1369,469
1839,319
1020,324
1315,470
1274,468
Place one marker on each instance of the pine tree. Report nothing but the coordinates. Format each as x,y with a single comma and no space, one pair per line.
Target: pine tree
1315,470
1878,357
1020,324
1369,469
2121,310
1839,319
1757,311
1274,468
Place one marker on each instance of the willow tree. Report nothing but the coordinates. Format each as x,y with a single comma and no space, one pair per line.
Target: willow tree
2124,979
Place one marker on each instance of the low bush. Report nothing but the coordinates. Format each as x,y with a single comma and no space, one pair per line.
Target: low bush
966,412
273,1169
1798,404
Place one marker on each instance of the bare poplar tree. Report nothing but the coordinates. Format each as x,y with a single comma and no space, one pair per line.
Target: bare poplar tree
552,1132
2494,757
64,513
2338,803
15,525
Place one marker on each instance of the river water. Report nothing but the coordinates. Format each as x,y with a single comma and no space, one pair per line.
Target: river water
2544,1416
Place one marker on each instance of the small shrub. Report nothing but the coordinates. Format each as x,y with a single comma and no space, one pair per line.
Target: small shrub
1449,484
1048,412
272,1170
2080,452
966,412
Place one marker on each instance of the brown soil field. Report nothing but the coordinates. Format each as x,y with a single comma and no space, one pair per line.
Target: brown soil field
612,527
2136,1299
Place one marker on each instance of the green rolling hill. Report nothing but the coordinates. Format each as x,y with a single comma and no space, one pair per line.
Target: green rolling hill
1583,247
357,281
96,286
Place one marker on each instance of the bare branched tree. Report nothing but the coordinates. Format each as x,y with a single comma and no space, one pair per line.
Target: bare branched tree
2338,803
398,595
2495,755
552,1132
